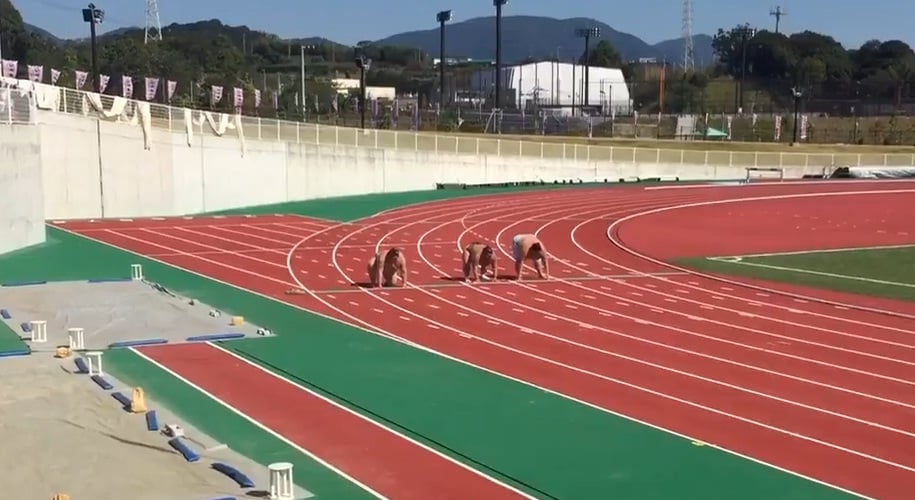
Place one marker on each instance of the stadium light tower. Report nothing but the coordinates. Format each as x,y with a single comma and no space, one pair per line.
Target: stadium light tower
587,33
94,16
499,4
442,18
363,63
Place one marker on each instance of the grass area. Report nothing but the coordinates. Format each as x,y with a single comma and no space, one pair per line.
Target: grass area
887,272
10,341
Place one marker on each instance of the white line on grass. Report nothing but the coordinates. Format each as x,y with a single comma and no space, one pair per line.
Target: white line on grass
813,252
810,271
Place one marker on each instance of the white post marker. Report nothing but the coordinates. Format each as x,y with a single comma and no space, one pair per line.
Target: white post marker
77,339
280,481
94,359
136,272
39,331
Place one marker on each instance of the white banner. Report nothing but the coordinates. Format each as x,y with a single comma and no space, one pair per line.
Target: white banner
36,73
805,122
257,98
215,95
103,83
152,86
127,87
172,86
10,68
81,77
239,97
55,75
778,128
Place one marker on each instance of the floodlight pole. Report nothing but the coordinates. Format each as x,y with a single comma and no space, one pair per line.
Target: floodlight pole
587,33
498,4
442,17
364,63
746,33
94,16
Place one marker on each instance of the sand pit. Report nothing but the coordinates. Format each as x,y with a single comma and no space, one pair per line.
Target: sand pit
62,434
113,312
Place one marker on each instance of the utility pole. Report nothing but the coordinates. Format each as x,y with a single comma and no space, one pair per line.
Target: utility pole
778,14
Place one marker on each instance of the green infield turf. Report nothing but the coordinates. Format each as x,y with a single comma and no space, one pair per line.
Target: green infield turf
887,272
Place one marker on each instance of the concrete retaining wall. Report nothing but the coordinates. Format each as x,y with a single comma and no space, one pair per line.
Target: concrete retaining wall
21,195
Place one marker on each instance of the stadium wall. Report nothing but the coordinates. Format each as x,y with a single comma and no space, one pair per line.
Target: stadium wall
21,194
97,168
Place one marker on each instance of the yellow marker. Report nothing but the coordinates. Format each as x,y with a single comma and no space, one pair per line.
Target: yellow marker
62,352
61,496
138,401
698,443
237,320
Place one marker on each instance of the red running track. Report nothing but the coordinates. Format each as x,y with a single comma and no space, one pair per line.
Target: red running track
799,378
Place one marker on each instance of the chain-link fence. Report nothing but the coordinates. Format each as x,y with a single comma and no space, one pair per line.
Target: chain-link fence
268,129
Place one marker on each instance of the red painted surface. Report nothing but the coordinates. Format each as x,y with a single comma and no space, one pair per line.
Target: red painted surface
387,463
820,390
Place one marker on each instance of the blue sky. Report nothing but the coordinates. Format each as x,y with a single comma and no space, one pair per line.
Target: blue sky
349,21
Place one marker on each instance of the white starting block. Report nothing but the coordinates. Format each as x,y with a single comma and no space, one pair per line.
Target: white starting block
39,331
136,272
94,360
280,481
77,339
173,430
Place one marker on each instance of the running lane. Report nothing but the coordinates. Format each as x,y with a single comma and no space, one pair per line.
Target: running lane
385,462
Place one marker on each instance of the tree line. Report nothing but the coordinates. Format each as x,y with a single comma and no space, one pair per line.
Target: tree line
206,53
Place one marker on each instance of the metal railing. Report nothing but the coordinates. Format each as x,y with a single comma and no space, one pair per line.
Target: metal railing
269,129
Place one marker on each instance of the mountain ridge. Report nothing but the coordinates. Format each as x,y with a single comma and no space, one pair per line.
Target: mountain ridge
523,37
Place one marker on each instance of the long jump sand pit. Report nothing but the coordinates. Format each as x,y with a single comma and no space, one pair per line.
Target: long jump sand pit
62,433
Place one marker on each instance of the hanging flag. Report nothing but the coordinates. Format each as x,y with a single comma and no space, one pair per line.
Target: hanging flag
36,73
755,119
276,100
805,124
55,75
103,83
635,117
239,97
215,95
257,98
127,87
10,68
730,122
171,87
415,118
81,77
334,104
152,87
317,105
778,128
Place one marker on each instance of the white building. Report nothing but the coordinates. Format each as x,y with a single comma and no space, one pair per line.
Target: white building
560,85
344,85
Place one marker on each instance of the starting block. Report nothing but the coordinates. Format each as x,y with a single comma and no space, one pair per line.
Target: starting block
39,331
138,401
94,359
173,431
77,338
136,272
237,320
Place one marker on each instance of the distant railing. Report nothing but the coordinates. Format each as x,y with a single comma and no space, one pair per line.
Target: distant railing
269,129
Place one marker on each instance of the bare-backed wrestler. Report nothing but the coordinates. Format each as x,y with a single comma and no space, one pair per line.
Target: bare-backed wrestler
529,247
386,265
478,257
